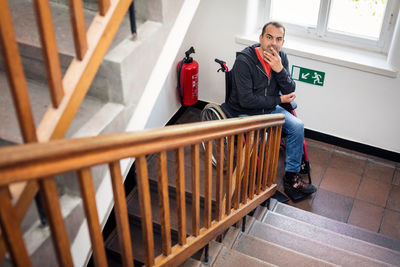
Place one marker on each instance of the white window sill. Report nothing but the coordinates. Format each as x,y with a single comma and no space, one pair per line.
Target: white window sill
331,53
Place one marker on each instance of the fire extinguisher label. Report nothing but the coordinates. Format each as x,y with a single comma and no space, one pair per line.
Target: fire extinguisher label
195,81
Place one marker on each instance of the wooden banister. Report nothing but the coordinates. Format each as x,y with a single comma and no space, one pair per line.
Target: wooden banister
48,192
104,5
164,203
91,47
220,177
195,150
49,50
121,214
41,161
12,235
78,27
229,169
180,195
253,167
208,184
239,166
15,74
145,208
88,194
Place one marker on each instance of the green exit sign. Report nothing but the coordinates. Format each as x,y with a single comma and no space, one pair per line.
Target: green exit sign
308,76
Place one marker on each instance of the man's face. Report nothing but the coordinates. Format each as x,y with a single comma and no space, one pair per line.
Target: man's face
272,38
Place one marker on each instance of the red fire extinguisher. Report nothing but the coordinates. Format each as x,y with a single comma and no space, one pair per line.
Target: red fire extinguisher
188,71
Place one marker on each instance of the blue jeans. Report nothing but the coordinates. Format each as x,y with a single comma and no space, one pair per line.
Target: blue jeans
294,129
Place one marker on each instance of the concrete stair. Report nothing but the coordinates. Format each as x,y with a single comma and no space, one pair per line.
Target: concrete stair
107,108
286,236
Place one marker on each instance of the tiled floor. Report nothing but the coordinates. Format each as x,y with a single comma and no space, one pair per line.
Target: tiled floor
354,188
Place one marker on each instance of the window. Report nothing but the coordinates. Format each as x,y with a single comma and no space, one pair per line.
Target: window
367,24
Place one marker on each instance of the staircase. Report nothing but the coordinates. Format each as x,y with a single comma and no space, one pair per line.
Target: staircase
281,235
108,107
275,234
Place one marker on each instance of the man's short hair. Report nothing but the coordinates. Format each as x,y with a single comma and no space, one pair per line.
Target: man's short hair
276,24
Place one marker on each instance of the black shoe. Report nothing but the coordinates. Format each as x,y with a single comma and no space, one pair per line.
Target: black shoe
296,183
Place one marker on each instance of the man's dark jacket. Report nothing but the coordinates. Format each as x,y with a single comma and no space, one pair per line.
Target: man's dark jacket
252,92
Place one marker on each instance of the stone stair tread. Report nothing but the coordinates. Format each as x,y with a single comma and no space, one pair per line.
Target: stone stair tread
112,243
231,258
332,238
40,101
273,253
27,32
153,176
336,226
134,211
311,247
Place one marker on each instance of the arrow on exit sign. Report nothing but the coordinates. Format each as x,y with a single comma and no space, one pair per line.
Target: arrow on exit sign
308,75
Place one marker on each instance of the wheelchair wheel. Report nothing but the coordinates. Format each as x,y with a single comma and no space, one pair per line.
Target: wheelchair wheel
209,113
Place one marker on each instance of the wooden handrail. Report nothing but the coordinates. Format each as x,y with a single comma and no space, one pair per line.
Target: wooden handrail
33,162
68,92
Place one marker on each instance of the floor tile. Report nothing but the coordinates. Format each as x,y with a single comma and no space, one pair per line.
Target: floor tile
390,224
396,178
319,155
379,171
317,172
366,215
332,205
393,202
373,191
348,162
340,182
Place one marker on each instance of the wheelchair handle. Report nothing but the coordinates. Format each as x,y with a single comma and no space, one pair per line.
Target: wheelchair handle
223,68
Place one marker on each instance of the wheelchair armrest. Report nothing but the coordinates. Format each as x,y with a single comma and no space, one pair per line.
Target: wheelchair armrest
289,106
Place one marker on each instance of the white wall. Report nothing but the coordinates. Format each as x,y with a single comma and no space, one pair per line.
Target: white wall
352,104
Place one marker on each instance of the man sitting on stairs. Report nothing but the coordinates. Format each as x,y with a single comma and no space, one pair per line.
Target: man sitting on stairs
261,82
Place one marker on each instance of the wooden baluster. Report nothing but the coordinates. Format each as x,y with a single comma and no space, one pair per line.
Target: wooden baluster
239,151
276,150
253,167
267,159
164,203
11,232
78,28
49,50
48,192
207,184
247,155
88,194
180,194
229,170
261,161
121,214
220,176
15,74
272,156
195,157
104,5
145,208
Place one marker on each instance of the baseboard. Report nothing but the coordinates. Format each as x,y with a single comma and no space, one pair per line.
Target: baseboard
355,146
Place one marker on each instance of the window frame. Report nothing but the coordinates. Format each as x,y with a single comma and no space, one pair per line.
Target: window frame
320,32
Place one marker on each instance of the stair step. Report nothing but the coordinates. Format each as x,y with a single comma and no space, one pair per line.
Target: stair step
338,227
231,258
134,211
274,253
153,175
311,247
40,101
112,244
332,238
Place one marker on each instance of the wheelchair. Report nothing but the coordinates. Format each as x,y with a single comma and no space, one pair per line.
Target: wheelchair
214,111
